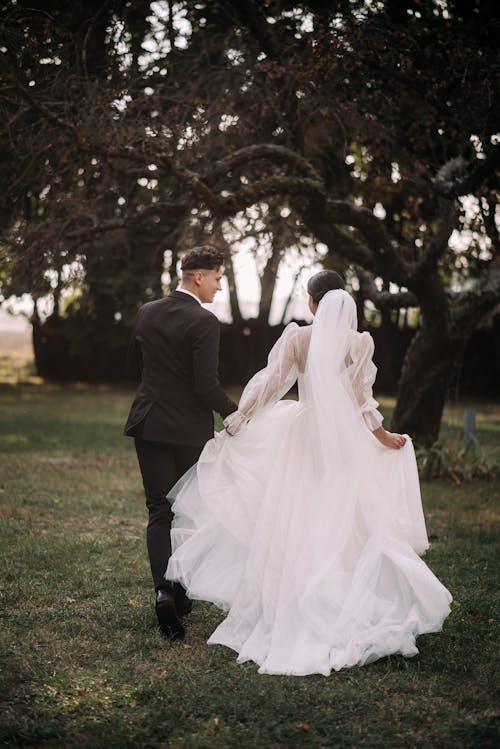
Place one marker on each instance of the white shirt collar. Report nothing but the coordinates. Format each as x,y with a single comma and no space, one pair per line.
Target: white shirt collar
185,291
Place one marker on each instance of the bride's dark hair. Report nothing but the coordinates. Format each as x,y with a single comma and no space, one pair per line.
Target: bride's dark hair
320,283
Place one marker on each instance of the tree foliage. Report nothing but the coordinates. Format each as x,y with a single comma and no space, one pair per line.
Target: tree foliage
372,128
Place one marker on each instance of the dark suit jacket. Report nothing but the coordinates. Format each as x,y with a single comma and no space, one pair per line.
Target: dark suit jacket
174,352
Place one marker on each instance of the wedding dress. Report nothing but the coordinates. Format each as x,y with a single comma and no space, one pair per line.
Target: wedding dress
302,526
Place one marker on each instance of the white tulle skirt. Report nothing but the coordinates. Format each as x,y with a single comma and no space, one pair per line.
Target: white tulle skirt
317,569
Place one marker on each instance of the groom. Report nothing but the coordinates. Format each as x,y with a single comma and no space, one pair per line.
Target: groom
174,353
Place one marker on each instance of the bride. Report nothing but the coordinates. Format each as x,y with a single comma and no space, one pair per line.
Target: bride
303,520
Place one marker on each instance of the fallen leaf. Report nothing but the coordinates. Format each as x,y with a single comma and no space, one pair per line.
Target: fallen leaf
132,602
302,727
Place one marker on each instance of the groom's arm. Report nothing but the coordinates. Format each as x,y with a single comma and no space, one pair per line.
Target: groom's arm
133,363
206,342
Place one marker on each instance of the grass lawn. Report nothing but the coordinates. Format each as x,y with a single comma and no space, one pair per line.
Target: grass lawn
82,663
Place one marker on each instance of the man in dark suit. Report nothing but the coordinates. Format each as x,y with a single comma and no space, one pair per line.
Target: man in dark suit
174,352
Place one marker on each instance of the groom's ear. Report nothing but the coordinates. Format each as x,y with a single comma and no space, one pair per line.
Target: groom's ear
198,277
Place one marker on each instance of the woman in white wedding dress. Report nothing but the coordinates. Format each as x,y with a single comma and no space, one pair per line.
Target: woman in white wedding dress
303,520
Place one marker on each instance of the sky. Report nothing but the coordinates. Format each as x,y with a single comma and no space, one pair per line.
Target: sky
11,322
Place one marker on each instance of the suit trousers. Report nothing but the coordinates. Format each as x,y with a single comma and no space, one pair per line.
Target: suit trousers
162,464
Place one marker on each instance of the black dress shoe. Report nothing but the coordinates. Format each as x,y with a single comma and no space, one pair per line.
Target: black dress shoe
168,616
183,604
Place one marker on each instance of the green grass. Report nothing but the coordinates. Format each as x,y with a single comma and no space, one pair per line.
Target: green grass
82,663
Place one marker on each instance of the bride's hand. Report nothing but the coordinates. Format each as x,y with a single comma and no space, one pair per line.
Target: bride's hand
234,422
389,439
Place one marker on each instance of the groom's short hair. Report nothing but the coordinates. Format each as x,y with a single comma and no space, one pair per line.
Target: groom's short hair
202,258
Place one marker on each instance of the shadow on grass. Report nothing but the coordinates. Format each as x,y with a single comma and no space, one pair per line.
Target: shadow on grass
53,417
25,434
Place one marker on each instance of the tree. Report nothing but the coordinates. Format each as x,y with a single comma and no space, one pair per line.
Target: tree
340,112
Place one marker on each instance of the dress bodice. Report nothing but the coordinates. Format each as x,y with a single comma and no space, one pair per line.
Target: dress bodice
288,361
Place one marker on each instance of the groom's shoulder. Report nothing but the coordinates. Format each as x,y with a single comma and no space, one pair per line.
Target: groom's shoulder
205,316
171,302
202,322
176,305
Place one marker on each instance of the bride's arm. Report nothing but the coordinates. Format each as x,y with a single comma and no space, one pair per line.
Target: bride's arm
271,383
364,372
389,439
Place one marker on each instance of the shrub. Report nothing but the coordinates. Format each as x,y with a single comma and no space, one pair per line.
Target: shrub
458,463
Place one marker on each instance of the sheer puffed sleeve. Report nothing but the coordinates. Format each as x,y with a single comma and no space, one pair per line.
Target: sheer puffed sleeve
362,372
271,383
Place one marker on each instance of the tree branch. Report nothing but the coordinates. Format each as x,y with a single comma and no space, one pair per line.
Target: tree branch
386,254
375,253
270,151
45,112
344,243
490,224
173,210
468,308
383,299
439,242
251,15
274,185
457,177
193,181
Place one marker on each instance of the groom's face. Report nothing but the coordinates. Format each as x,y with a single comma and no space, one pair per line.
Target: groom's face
209,284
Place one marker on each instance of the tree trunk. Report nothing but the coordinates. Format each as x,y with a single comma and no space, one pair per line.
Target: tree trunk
437,347
290,295
424,382
234,303
268,279
174,280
